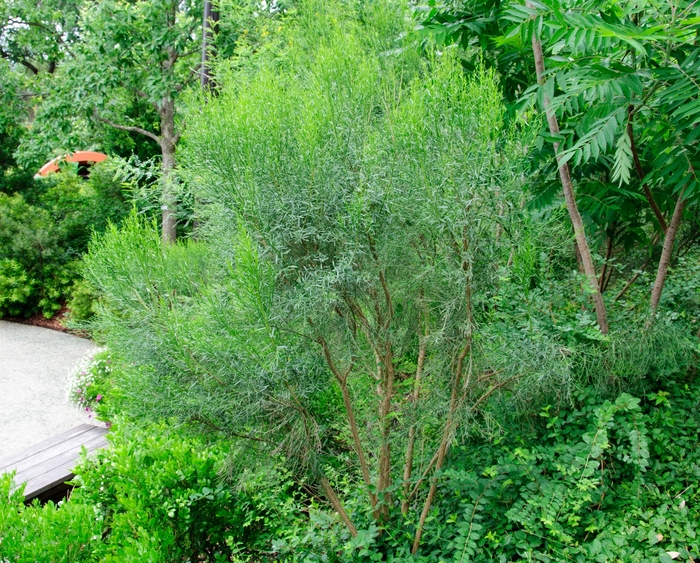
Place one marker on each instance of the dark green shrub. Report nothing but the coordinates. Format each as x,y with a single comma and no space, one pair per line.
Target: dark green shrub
79,207
47,237
17,289
30,239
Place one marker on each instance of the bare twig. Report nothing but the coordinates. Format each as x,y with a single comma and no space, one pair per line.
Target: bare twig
129,128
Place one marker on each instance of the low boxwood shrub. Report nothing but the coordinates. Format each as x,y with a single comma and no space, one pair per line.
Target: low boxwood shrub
159,491
44,534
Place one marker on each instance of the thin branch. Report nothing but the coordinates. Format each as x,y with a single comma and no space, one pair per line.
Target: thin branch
384,482
492,389
385,286
423,476
128,128
335,502
342,382
408,463
447,434
24,62
632,280
207,422
608,254
640,172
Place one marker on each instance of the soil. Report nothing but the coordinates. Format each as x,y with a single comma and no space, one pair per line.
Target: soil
54,323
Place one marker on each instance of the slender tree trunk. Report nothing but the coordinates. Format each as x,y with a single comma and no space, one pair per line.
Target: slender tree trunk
565,176
666,253
168,140
210,19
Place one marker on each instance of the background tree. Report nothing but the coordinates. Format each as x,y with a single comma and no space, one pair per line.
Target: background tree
623,82
38,36
145,50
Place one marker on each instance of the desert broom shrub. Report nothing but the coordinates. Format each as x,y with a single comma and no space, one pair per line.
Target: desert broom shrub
355,197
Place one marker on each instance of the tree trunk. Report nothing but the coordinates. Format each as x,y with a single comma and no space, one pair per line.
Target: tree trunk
666,253
168,140
211,17
565,176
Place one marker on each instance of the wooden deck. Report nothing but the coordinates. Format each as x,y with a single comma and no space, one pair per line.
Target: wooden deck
45,467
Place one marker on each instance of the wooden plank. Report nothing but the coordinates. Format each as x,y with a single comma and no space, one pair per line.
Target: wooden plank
55,476
44,456
41,446
70,457
48,465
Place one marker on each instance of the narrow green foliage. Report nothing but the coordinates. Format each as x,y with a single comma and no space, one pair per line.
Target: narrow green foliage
623,160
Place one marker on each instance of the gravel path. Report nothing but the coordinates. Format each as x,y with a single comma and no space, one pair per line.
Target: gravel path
34,363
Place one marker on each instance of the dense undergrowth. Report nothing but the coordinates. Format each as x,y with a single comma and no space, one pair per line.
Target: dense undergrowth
603,481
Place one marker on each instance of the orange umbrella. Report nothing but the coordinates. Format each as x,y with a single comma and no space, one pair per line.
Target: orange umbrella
50,166
82,157
86,156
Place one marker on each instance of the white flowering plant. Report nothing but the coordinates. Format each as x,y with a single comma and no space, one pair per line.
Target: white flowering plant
89,383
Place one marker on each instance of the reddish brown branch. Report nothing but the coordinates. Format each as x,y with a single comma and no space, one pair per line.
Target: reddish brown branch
342,378
640,172
335,503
